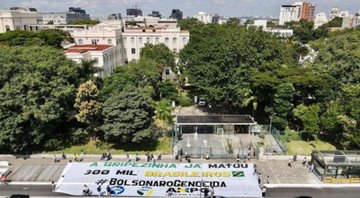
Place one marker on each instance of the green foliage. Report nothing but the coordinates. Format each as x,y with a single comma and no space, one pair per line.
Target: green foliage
168,90
184,100
37,95
191,24
128,117
143,75
84,22
290,135
163,110
49,37
160,53
309,117
220,59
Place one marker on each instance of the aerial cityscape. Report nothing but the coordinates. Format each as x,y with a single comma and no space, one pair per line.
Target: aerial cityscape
165,98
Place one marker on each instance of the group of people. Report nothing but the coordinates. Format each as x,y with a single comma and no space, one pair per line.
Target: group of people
305,162
106,156
87,192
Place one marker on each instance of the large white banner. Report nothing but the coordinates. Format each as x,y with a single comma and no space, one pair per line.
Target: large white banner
159,179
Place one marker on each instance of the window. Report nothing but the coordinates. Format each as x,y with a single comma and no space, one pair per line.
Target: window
167,72
140,40
174,50
125,40
184,40
132,40
80,41
174,41
148,39
167,41
157,40
96,61
133,51
109,41
7,28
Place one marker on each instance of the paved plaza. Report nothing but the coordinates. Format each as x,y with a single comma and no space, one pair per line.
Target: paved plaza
44,169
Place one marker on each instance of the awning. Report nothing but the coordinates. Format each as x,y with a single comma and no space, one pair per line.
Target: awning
215,120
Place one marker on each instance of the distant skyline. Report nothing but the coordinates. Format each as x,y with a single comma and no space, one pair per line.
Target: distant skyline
227,8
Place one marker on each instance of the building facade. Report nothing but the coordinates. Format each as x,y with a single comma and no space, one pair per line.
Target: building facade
297,11
62,18
135,38
18,19
204,17
308,11
133,12
176,14
320,20
105,57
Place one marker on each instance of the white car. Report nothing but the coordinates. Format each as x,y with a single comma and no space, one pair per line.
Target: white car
202,102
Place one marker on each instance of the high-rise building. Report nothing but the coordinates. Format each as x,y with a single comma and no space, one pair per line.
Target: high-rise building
155,14
308,11
176,14
320,20
297,11
334,13
204,17
134,12
62,18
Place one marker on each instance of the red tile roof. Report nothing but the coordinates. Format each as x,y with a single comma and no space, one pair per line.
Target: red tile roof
85,48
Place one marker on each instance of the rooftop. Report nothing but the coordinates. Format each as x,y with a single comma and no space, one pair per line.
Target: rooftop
337,157
215,120
85,48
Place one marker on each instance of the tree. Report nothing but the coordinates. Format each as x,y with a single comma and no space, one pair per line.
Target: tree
89,107
128,117
143,75
220,61
159,53
309,117
37,94
49,37
163,111
84,22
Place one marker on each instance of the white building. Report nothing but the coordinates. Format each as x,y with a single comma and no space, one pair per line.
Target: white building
283,33
320,20
259,24
106,57
151,21
334,12
204,17
18,19
290,13
356,20
135,38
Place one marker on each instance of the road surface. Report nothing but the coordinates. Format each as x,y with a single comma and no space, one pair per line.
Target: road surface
281,192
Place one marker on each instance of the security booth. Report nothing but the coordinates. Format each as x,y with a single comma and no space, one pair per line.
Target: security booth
336,166
209,135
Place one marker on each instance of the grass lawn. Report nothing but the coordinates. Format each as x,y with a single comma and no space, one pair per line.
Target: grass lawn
305,148
162,145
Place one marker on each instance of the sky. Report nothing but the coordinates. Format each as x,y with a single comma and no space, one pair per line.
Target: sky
227,8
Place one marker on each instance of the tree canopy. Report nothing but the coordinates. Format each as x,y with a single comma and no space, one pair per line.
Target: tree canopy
49,37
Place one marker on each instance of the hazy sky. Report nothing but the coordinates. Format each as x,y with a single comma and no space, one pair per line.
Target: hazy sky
101,8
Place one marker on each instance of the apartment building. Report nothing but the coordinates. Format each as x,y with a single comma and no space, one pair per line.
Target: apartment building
297,11
18,19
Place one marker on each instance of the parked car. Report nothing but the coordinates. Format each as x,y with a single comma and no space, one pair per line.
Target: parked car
19,196
202,102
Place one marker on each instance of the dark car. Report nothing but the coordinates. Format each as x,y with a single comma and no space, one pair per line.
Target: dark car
19,196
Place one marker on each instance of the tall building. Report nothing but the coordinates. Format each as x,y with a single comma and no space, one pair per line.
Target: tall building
62,18
320,20
204,17
18,19
297,11
334,13
133,12
155,14
308,11
176,14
